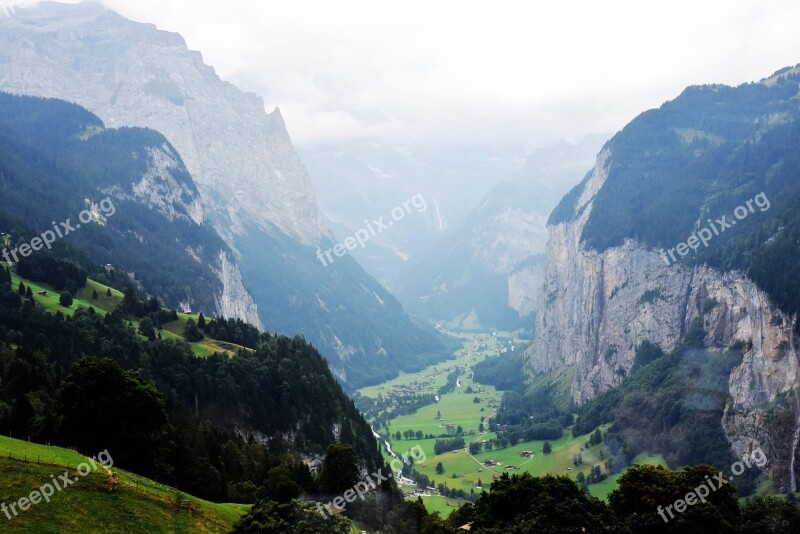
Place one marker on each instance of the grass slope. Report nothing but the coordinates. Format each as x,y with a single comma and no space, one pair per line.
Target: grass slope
135,504
104,303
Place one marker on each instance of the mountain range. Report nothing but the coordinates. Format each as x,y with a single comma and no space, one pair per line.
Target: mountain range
253,187
677,256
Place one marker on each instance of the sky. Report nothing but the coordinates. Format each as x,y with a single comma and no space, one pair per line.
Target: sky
447,73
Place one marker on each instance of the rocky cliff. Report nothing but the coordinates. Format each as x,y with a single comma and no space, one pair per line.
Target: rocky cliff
596,307
254,188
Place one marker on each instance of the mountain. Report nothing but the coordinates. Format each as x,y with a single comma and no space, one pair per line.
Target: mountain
57,160
674,264
360,180
253,186
258,390
491,266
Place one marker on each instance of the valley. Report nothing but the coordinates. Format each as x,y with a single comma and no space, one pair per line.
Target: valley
465,409
523,352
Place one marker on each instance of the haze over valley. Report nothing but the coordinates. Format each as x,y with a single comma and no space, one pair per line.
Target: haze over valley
330,268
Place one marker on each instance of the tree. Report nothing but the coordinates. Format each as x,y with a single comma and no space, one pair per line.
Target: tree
21,289
108,292
523,503
94,294
201,322
147,329
407,517
398,436
419,434
772,514
131,412
191,332
643,487
279,486
292,518
547,448
65,299
28,293
439,468
339,469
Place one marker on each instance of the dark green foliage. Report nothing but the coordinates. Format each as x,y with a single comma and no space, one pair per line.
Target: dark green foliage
50,167
147,329
59,272
446,445
65,299
407,518
504,372
522,504
532,415
770,515
283,387
191,332
293,518
645,487
103,407
646,352
339,469
231,330
699,157
674,400
547,448
566,209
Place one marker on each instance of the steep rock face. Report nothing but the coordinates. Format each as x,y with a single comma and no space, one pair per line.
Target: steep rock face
254,188
143,77
597,307
57,159
140,76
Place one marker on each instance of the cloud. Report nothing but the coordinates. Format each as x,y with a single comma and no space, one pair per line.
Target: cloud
464,71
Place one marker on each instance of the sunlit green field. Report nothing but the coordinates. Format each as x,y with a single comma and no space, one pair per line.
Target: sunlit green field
105,304
604,488
98,502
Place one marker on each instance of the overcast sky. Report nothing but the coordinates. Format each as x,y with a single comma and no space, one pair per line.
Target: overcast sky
475,72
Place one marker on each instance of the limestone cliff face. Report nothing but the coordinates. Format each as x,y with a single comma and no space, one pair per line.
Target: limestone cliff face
596,308
254,189
249,177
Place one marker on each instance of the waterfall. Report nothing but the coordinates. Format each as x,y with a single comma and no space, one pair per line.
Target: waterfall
792,478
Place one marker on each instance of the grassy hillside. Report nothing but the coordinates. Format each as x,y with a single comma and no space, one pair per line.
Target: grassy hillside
47,296
98,502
